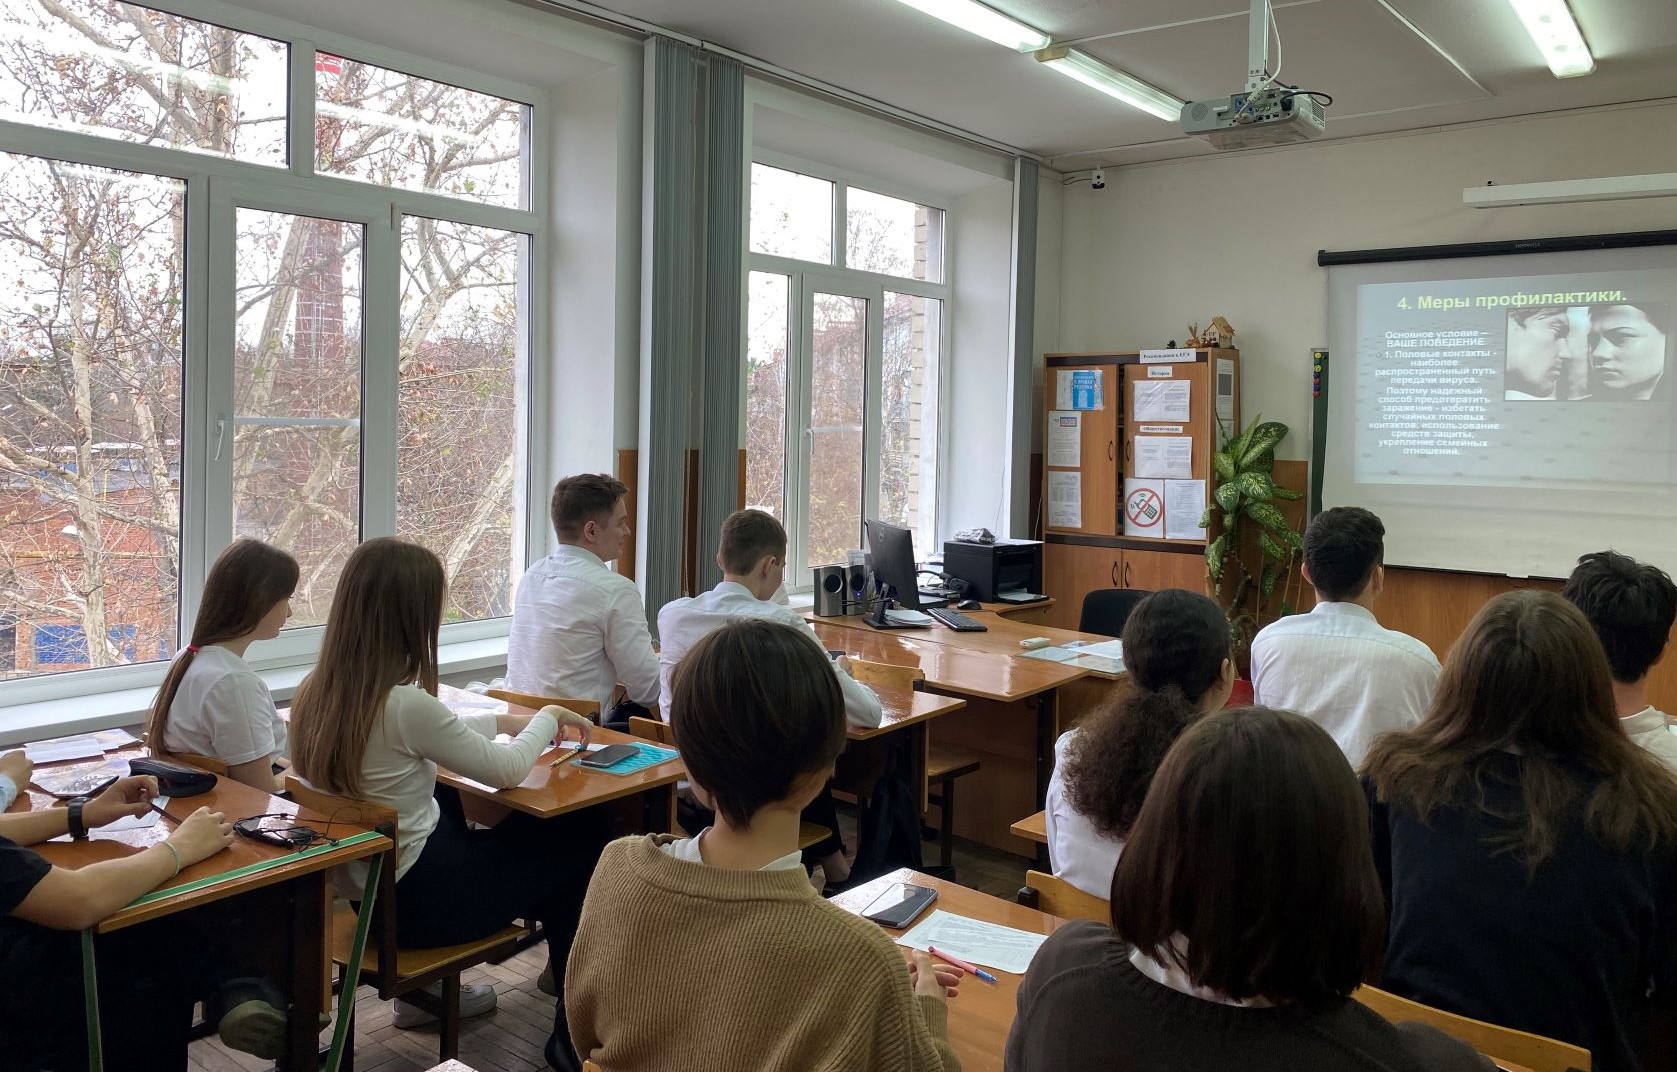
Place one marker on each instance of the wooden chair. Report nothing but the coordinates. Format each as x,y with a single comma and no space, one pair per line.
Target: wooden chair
589,709
590,1066
660,732
1057,897
888,675
414,969
1498,1043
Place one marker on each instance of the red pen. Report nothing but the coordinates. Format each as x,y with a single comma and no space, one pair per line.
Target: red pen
959,963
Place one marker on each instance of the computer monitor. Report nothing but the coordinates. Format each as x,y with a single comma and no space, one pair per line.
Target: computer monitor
891,553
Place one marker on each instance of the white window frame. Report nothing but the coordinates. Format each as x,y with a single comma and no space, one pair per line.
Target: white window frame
214,186
808,277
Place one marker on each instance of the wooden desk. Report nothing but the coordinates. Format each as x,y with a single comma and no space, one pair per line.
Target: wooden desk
547,792
904,708
300,883
1032,828
981,1016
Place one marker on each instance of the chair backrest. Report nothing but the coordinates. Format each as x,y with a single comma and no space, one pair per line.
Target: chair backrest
192,759
340,809
590,1066
1517,1047
652,729
585,708
1060,898
1105,610
889,675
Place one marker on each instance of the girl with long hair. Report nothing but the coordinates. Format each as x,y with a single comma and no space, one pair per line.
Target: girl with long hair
366,723
211,702
1527,847
1178,656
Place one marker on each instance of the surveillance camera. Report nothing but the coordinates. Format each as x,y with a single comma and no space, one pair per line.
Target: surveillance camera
1097,179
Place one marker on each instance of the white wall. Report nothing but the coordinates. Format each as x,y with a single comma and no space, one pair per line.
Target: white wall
1170,243
978,363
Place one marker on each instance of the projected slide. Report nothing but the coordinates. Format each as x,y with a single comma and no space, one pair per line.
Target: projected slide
1546,381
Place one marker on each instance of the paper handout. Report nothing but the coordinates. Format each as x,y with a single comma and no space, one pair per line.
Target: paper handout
1003,948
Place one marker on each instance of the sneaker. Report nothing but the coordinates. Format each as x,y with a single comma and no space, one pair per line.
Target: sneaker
475,1000
254,1027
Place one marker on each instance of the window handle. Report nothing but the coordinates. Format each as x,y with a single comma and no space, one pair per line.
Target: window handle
220,436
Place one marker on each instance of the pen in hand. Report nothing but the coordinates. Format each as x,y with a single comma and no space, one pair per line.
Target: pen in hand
959,963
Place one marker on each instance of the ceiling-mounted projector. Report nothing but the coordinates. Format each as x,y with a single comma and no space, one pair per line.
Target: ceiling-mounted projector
1265,113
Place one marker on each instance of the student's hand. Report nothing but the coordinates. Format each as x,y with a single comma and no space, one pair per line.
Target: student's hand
933,978
16,766
202,835
841,663
122,798
569,719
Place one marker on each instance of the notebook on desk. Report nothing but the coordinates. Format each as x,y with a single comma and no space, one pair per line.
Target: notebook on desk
1018,596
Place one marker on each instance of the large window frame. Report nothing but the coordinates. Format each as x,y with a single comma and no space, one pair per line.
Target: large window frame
809,277
215,189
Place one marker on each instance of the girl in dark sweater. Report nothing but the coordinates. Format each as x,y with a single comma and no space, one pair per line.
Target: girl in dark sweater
1245,912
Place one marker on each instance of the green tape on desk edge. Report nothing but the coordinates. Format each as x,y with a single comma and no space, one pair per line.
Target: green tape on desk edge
250,869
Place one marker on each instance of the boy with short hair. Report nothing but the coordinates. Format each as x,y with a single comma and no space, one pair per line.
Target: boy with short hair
1631,606
775,977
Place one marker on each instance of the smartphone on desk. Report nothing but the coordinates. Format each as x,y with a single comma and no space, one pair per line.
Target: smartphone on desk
900,904
609,756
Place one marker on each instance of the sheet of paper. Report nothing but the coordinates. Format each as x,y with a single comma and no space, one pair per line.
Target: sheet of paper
111,740
64,748
1184,506
1079,389
1112,649
138,822
1062,389
1161,400
1065,439
1065,500
1225,391
1167,457
1167,357
989,945
1144,507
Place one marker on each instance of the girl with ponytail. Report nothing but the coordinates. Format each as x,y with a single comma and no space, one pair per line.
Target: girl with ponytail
1177,654
211,702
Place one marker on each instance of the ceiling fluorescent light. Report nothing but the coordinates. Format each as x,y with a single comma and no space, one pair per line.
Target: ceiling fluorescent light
1111,81
989,24
1555,31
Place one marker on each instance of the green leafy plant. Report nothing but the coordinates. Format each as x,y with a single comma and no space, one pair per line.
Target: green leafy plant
1246,491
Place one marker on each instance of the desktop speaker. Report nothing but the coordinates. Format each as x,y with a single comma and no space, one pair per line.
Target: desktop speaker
831,583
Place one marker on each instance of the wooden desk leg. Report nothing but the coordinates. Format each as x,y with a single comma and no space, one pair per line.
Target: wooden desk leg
658,810
305,994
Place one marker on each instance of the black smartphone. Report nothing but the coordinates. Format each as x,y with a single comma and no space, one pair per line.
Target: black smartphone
609,756
900,904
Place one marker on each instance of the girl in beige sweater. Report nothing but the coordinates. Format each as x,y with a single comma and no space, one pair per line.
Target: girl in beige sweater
713,952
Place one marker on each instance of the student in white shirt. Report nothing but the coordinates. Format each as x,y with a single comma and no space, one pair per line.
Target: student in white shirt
578,628
1337,665
752,558
1180,664
211,703
366,723
1631,607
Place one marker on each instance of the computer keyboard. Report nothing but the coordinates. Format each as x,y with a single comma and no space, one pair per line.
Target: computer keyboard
958,621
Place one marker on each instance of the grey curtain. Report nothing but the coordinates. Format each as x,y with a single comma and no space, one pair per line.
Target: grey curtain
1021,339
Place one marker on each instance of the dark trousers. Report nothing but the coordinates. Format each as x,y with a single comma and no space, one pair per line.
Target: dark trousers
468,884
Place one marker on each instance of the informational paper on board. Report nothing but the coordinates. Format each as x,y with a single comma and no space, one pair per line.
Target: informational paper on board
1065,500
1166,457
1225,392
1144,507
1184,506
1065,439
1167,357
1162,400
1079,389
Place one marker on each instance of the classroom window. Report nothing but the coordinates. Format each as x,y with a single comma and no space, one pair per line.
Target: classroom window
299,358
296,469
459,453
842,365
119,70
394,129
791,215
892,236
90,422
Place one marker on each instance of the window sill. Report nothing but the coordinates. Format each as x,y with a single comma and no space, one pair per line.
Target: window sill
127,708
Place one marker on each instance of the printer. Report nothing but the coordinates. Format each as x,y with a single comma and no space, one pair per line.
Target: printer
996,571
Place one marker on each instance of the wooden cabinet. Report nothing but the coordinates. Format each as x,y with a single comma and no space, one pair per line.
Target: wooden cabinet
1071,571
1155,570
1098,472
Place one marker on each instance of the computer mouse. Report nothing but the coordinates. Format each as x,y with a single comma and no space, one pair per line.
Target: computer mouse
968,604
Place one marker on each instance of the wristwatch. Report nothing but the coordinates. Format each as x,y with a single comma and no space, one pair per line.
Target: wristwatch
78,828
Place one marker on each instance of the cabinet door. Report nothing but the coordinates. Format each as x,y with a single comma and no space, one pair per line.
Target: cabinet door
1098,448
1155,570
1071,571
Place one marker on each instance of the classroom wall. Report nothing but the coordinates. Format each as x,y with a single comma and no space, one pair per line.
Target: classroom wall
1237,234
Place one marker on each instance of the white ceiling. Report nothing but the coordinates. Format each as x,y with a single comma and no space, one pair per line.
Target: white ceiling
1373,56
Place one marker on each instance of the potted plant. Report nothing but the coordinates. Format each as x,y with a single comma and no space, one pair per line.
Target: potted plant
1246,491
